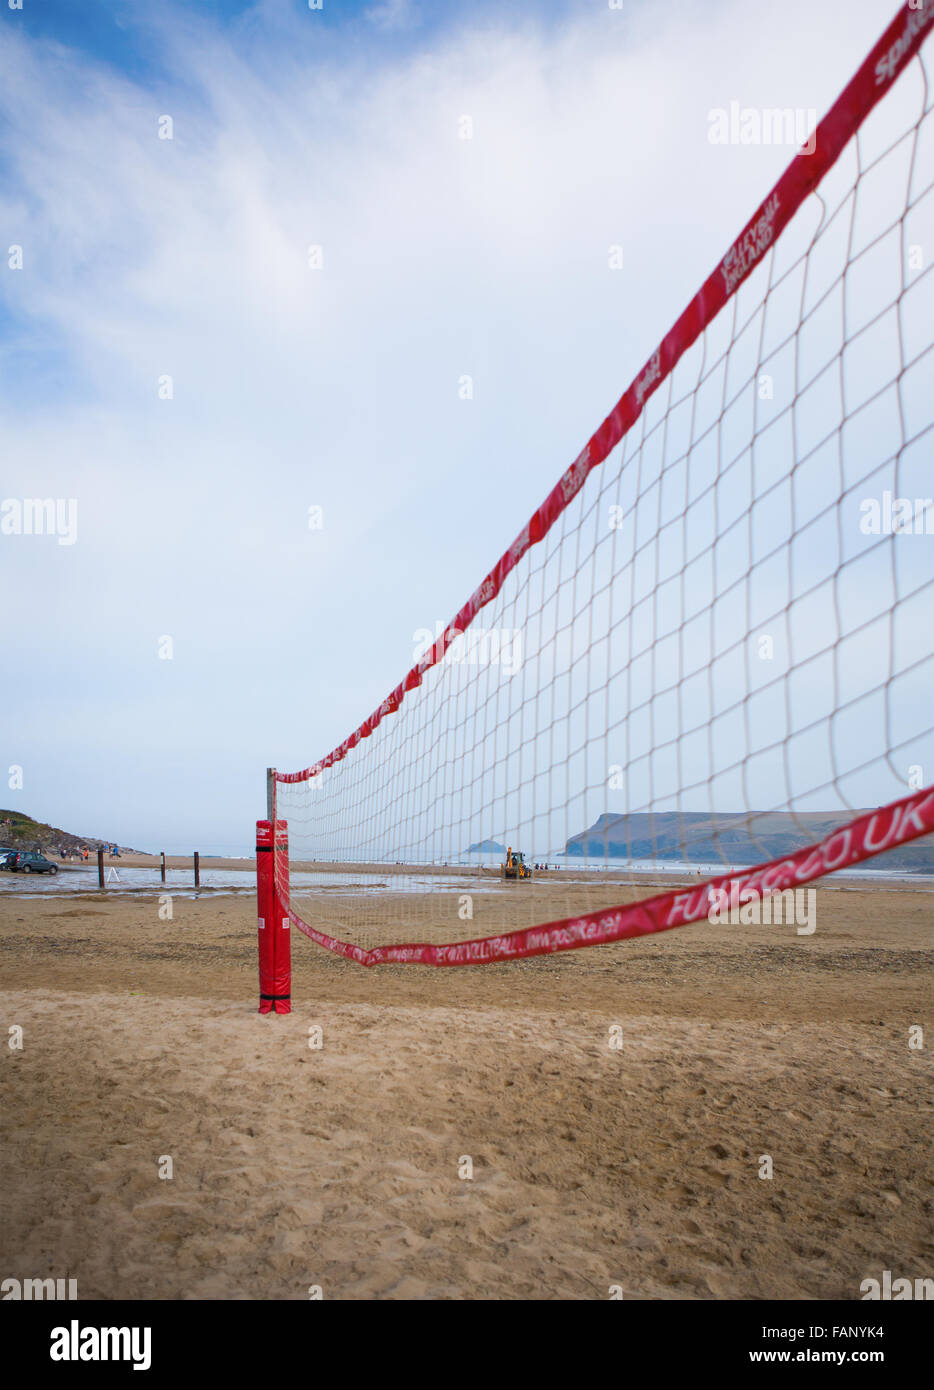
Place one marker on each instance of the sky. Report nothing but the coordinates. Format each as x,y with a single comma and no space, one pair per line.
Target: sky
240,351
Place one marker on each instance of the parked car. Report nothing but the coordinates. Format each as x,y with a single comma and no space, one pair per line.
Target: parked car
5,856
29,862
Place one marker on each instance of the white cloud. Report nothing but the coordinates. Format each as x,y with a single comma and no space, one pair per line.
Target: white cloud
442,256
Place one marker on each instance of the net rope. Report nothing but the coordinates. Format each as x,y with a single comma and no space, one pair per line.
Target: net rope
712,645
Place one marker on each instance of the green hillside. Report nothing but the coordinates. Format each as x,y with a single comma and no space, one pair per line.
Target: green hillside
19,831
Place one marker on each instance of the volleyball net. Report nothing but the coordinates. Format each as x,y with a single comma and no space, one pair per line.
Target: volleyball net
711,648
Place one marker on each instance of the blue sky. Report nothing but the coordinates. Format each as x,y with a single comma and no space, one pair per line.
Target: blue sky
294,387
121,33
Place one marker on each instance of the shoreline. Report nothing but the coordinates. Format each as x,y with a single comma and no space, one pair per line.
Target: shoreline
561,873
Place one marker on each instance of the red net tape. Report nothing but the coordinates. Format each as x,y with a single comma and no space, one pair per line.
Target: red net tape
866,836
413,791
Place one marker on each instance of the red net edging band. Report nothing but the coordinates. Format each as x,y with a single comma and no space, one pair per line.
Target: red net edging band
897,46
866,836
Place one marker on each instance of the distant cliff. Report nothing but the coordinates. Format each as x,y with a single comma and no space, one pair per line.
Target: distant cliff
737,838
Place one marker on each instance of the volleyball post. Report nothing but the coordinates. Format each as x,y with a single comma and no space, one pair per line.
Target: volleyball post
272,908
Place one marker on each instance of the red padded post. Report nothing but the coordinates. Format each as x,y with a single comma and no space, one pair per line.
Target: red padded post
281,925
265,914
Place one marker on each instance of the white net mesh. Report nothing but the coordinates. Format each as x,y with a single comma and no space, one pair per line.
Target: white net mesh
723,647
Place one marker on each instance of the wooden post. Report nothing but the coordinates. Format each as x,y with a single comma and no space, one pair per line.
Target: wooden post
197,870
163,866
100,868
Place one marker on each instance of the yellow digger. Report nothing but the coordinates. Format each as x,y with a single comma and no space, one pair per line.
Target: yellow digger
515,865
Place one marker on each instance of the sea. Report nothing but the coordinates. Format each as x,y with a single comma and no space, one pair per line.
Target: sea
73,878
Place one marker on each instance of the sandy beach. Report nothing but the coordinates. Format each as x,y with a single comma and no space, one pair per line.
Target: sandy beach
342,1166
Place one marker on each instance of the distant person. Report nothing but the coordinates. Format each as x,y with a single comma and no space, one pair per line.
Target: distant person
84,852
